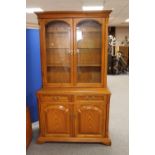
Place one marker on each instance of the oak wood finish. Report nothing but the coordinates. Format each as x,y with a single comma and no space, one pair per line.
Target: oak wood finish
73,14
56,119
89,119
74,101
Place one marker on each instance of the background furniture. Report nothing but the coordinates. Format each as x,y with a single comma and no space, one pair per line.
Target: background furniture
28,127
74,100
119,63
124,50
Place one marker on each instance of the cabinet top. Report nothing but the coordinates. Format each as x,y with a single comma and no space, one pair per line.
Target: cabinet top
72,14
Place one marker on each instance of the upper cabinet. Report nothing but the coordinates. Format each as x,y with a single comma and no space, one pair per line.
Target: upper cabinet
74,49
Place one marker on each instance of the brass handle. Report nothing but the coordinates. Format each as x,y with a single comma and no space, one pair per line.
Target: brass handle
77,51
70,52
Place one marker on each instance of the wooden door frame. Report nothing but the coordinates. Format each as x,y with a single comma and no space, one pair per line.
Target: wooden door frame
103,119
104,51
76,84
43,122
43,23
43,52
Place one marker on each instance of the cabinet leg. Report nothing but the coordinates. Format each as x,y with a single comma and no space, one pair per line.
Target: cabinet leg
40,141
106,141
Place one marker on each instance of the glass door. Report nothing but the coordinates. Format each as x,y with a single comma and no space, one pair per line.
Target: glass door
88,49
58,52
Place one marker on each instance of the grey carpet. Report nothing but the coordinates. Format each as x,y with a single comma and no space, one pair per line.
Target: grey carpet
119,113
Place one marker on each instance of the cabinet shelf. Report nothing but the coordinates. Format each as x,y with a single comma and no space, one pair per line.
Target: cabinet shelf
58,65
79,65
57,32
89,31
83,48
80,48
89,48
57,48
89,65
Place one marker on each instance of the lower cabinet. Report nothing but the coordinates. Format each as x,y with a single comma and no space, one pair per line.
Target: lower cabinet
57,119
73,119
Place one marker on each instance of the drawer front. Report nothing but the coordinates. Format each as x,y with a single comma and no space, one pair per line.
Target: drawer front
90,98
55,98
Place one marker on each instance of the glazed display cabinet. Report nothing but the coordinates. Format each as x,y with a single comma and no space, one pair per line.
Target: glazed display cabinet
74,99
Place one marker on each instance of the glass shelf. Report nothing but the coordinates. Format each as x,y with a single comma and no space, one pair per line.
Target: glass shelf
89,48
57,32
58,65
89,65
90,31
58,48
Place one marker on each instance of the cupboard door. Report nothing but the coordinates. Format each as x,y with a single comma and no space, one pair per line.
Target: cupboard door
88,51
89,120
59,48
56,119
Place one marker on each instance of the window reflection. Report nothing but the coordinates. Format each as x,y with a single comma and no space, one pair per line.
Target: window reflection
79,34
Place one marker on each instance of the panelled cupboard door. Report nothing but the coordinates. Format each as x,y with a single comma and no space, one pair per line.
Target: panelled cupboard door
88,51
59,50
89,120
55,119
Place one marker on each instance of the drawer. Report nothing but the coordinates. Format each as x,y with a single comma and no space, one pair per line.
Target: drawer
90,98
56,98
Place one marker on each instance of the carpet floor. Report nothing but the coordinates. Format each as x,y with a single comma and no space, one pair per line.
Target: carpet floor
119,128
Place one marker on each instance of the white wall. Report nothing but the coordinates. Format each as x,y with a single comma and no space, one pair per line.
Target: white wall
120,33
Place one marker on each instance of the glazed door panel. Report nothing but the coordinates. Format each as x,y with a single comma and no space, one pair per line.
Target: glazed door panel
88,51
59,49
55,119
89,119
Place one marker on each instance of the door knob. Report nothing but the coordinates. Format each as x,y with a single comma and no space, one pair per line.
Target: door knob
77,51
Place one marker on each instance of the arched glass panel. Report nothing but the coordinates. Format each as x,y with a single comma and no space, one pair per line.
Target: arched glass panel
58,52
89,50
